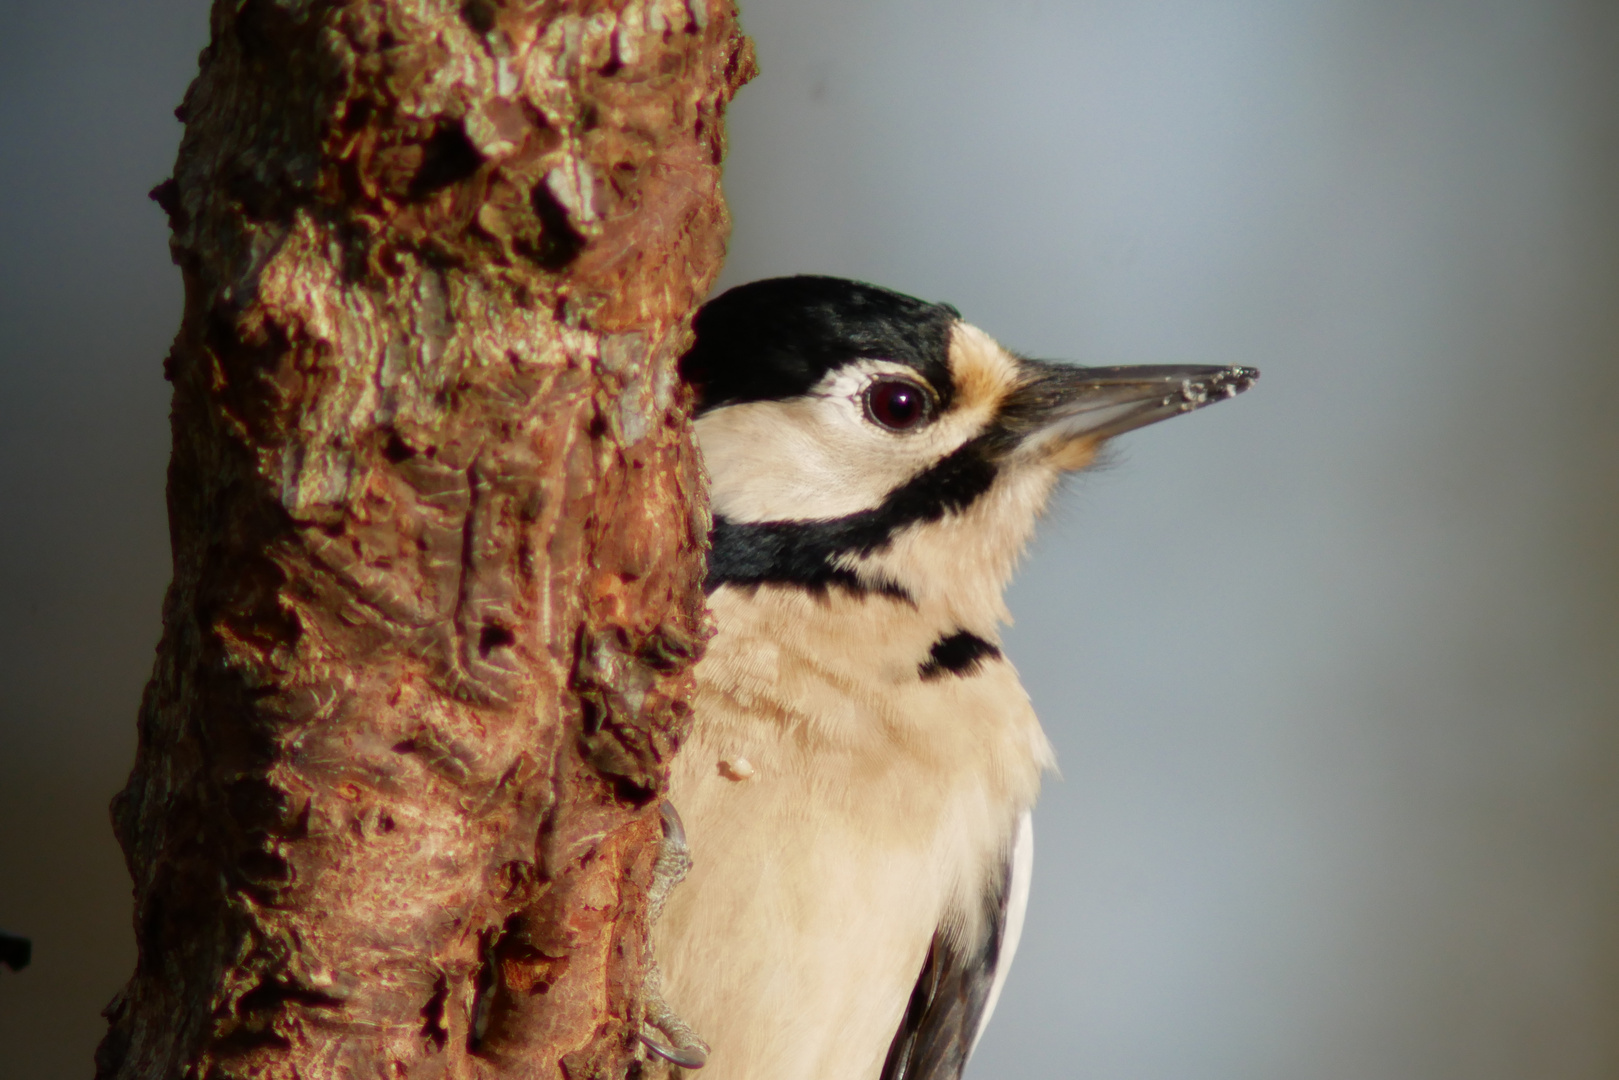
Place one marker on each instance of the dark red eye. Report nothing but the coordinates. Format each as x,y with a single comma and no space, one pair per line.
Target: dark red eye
896,404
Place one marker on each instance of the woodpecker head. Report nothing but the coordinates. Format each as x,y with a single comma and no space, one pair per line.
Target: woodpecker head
861,440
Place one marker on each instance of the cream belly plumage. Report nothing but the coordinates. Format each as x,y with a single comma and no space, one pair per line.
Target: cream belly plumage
857,783
855,800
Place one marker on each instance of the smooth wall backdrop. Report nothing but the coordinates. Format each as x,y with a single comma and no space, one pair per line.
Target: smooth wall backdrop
1332,669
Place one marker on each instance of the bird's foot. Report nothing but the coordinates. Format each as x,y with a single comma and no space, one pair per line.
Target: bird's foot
667,1035
664,1033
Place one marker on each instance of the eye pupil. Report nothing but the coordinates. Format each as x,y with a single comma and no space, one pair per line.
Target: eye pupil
896,404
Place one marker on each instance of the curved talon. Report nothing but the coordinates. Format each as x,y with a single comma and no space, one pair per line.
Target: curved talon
674,830
687,1057
684,1047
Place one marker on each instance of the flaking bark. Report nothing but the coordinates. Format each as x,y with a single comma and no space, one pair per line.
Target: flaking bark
437,533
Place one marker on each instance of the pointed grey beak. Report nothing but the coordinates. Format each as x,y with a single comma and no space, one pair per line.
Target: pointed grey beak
1059,403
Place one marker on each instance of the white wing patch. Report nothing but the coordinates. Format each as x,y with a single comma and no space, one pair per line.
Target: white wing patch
1017,903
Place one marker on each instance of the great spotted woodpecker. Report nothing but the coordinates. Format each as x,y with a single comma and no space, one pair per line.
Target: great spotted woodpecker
857,784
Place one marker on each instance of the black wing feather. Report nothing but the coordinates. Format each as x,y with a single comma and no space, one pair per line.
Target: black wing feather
936,1035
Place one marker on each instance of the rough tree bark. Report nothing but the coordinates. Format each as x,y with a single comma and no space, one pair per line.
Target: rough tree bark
437,536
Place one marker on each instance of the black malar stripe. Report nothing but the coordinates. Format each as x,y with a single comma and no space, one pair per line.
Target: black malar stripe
807,553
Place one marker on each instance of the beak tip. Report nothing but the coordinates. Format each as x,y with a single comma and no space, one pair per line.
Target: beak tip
1232,381
1217,385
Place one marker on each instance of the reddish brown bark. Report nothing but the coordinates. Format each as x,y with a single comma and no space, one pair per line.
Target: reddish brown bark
437,529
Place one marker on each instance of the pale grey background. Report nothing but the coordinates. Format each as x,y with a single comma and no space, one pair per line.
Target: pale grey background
1333,669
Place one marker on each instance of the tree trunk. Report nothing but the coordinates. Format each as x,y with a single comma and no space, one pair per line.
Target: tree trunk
437,527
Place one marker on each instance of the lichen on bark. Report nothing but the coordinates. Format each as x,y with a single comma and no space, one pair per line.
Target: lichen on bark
437,528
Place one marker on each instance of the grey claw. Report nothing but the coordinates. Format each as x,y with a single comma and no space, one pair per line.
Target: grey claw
674,829
687,1057
683,1047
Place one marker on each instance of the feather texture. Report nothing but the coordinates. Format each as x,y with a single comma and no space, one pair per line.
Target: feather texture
961,980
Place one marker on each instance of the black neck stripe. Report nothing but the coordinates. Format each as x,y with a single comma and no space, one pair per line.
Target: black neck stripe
807,553
960,653
783,553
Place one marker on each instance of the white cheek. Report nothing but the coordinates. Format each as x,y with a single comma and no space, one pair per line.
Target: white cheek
814,457
804,459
